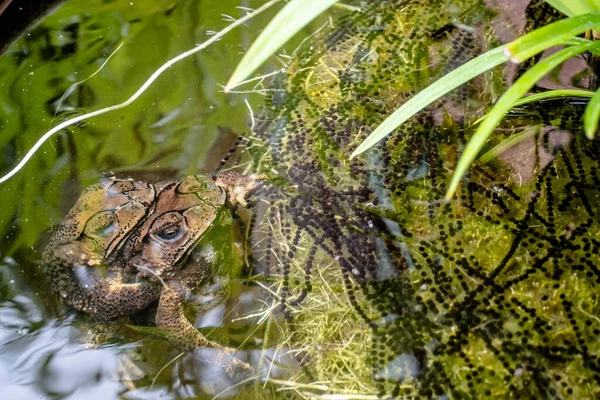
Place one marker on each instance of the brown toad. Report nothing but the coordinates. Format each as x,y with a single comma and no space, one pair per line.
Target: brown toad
126,244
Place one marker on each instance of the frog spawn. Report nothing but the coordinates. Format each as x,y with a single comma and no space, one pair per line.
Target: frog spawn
492,294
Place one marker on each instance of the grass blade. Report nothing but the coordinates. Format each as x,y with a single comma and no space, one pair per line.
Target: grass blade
549,94
553,94
572,8
505,103
508,143
576,41
563,7
442,86
551,35
292,18
591,116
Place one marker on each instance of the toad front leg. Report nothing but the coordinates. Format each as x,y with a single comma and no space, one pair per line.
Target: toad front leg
76,275
170,317
237,185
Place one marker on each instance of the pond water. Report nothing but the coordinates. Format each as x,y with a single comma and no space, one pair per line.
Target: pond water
182,125
357,280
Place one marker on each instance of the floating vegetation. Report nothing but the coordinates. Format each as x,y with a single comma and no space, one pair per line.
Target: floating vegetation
388,290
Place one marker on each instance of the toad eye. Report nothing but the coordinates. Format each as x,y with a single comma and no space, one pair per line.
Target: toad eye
170,233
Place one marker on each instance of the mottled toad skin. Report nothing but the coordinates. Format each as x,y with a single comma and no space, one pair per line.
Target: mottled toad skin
126,244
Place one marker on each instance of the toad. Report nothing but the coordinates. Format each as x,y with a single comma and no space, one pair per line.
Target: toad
127,244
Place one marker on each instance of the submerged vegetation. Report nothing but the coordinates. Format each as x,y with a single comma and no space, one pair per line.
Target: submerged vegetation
585,17
376,286
492,295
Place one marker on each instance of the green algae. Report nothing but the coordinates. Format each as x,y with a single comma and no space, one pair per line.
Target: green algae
387,289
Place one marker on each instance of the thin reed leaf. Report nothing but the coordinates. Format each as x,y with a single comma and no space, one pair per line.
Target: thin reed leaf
549,94
551,35
591,116
442,86
508,143
560,32
553,94
290,20
572,8
505,103
576,41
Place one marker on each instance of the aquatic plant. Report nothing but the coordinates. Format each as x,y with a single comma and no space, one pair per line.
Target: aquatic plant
294,16
492,295
584,16
385,289
42,101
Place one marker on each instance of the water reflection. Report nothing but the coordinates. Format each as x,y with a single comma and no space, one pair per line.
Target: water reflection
49,358
170,132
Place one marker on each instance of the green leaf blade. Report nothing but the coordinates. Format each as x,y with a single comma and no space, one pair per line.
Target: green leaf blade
551,35
294,16
591,116
505,103
575,7
553,94
508,143
439,88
